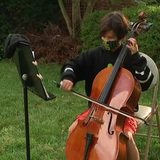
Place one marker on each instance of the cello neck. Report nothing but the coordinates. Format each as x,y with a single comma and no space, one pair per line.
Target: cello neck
118,64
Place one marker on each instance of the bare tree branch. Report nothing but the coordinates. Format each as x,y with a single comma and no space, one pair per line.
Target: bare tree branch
139,2
76,17
65,15
89,9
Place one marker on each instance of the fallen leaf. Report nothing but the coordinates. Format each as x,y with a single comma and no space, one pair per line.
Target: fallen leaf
51,149
39,105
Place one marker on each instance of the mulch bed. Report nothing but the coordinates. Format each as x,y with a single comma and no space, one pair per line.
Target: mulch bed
53,44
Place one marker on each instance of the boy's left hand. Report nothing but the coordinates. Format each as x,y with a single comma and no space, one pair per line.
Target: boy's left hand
133,46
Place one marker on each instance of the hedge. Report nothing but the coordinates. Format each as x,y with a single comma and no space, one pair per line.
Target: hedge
149,42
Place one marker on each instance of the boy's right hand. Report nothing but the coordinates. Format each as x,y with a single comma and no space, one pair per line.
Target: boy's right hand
66,85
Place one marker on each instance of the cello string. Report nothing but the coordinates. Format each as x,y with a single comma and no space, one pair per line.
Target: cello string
106,106
126,114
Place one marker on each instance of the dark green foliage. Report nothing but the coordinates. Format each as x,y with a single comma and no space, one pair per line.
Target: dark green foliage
90,30
17,15
149,42
152,2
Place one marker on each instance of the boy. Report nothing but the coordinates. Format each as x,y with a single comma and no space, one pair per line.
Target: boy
113,29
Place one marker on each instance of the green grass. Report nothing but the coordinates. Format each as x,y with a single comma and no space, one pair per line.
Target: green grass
48,120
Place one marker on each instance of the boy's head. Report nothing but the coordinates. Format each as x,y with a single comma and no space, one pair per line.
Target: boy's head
116,22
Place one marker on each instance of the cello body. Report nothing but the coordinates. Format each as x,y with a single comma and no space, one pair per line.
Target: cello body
100,135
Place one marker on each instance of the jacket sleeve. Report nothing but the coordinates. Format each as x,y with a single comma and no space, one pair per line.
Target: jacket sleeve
142,72
67,72
76,69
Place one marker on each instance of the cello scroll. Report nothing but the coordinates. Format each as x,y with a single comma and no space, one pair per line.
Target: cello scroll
141,26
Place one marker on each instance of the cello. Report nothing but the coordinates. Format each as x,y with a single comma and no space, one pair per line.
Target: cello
100,135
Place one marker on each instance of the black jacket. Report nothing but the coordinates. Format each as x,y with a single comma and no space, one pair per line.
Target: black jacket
88,64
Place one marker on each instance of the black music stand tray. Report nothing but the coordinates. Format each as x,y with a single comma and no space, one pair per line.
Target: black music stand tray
24,58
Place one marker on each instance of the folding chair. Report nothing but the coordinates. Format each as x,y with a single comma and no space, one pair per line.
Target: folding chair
148,112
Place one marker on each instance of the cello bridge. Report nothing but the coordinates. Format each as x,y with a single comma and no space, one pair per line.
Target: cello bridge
97,119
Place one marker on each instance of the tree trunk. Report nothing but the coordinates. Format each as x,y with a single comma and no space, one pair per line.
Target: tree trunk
76,17
89,9
65,16
74,27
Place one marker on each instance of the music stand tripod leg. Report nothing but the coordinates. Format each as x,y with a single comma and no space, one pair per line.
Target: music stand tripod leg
25,91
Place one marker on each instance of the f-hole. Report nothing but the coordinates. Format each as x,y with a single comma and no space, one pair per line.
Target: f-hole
109,126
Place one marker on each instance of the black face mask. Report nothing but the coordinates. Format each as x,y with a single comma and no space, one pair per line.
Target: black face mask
110,45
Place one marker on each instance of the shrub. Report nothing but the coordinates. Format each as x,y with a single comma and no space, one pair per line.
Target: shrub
53,44
148,42
20,15
90,30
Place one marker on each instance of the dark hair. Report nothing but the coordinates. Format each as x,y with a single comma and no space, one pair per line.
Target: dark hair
115,21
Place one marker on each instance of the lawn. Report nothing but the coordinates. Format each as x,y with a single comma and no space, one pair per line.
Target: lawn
48,120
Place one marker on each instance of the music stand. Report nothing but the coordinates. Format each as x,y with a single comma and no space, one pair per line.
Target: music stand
24,58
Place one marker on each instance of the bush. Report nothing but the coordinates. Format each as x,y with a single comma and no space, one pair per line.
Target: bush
90,30
20,15
53,44
148,42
